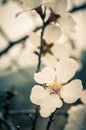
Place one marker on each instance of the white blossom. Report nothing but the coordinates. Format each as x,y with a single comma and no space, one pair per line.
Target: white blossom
56,86
77,118
56,52
59,8
77,115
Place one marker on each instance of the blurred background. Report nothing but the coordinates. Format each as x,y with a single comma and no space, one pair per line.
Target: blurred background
17,66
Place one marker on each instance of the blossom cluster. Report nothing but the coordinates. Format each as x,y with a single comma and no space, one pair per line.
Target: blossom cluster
54,82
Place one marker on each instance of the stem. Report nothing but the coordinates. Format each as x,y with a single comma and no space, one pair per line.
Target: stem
50,120
40,53
6,122
35,120
78,8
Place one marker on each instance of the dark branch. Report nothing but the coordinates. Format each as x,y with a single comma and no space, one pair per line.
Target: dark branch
19,112
50,120
7,123
11,44
77,8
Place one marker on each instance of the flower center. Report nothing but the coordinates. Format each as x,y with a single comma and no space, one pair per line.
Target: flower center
54,87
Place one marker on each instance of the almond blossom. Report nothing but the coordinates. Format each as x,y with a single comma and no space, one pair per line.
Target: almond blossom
53,50
57,12
60,15
77,115
53,86
77,118
49,49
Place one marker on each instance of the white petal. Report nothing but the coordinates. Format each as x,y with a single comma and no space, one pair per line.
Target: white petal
83,97
30,4
34,39
49,60
52,33
38,93
67,22
66,69
44,113
72,91
58,6
47,75
49,105
61,51
51,102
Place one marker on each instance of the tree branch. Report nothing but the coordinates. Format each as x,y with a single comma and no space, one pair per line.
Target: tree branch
77,8
7,123
11,44
19,112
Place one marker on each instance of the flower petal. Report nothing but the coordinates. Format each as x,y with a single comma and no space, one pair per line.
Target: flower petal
44,113
58,6
34,39
49,60
72,91
49,105
67,22
30,4
66,69
83,97
52,33
38,93
52,101
61,51
47,75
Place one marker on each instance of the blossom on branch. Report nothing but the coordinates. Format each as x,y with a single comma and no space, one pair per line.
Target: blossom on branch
54,85
59,14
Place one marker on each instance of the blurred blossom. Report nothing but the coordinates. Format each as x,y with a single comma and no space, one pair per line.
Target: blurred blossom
14,27
56,86
27,58
77,115
15,51
3,42
5,63
77,118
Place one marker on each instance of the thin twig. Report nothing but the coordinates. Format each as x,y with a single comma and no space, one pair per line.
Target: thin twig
19,112
7,123
50,120
77,8
11,44
40,53
35,119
